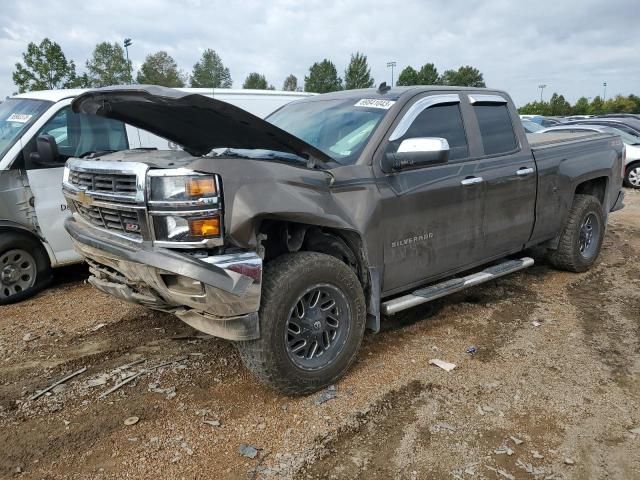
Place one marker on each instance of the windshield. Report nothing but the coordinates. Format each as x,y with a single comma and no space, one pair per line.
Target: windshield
16,115
339,128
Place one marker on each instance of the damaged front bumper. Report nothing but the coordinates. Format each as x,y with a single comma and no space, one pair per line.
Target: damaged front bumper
218,295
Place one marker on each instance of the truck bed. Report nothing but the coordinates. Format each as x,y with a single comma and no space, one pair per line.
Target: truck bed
541,140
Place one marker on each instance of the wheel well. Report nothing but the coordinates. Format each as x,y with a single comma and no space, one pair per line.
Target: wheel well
278,237
631,164
595,187
27,234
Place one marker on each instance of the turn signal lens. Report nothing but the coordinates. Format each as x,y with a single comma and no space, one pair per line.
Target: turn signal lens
204,227
201,187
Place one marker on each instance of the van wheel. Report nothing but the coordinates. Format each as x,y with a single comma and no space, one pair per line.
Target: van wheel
24,268
312,320
582,236
632,176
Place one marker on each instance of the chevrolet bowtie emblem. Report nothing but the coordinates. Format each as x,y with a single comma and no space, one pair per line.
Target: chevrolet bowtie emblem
84,197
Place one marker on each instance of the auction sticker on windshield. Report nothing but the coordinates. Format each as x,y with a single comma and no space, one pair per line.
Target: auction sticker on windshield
19,117
375,103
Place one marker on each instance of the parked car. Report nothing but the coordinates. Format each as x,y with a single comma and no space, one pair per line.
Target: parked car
290,235
632,147
627,124
542,121
38,133
531,127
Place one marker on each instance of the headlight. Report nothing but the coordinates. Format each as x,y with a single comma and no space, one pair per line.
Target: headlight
182,188
174,228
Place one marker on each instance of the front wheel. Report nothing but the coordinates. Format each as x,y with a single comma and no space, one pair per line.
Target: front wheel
632,176
24,268
312,320
581,237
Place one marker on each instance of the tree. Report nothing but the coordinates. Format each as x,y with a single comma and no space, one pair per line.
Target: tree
597,106
636,100
45,67
408,76
323,78
108,66
465,76
428,75
581,107
290,83
210,72
358,73
256,81
558,105
619,104
160,69
534,108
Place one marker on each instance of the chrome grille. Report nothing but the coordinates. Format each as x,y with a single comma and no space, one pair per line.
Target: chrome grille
104,182
121,221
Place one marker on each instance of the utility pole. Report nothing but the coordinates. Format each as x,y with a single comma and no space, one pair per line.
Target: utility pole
392,65
604,94
541,87
127,44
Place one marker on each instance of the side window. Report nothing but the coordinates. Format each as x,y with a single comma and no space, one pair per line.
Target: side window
444,121
77,134
495,128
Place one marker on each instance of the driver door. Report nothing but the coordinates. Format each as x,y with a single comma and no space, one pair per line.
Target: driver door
432,216
74,134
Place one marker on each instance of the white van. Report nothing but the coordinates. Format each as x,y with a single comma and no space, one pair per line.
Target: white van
36,127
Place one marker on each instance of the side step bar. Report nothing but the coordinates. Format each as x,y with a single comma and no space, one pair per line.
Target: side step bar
443,289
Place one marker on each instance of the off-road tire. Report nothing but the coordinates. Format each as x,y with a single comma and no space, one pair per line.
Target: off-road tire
17,241
284,281
567,256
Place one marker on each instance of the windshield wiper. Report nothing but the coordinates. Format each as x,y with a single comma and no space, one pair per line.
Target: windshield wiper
259,154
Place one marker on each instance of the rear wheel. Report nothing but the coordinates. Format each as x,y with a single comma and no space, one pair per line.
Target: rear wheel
632,176
312,319
24,267
581,237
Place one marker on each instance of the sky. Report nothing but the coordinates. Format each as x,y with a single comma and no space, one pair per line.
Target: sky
572,46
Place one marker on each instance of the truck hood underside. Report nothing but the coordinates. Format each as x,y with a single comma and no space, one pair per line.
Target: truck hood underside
197,123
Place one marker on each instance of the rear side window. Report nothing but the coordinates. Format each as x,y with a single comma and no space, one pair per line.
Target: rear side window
444,121
495,128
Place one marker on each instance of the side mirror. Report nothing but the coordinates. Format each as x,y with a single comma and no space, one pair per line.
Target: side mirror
416,153
47,151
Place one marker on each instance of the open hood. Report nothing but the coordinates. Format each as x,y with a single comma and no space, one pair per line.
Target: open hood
197,123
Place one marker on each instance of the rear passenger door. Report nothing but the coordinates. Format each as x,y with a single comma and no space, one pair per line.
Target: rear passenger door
509,176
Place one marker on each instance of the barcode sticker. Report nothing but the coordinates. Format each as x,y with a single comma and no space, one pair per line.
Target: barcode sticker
19,117
375,103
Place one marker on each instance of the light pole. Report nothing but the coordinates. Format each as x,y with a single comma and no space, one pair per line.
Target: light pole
127,44
604,94
541,87
392,65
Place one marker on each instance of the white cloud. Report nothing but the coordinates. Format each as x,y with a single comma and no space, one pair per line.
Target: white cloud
572,46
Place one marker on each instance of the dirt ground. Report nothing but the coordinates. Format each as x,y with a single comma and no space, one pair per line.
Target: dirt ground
552,391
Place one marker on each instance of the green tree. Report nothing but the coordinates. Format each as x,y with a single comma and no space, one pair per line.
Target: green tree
290,83
358,73
256,81
322,78
428,75
45,67
408,76
534,108
581,106
465,76
636,100
160,69
210,72
597,106
108,66
558,105
619,104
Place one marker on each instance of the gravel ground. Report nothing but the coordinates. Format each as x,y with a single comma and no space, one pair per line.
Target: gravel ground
552,390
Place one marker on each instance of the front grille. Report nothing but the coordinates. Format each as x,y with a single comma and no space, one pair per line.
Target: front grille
121,221
117,183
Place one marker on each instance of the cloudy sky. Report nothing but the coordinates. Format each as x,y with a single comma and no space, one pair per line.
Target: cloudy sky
572,46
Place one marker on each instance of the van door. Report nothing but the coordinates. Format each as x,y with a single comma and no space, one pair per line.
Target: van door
76,135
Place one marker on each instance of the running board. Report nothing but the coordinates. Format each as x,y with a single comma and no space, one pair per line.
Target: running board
455,285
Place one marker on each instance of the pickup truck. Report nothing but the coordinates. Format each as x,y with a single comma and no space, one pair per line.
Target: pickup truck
292,235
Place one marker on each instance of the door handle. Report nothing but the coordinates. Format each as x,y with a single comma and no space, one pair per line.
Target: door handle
471,181
524,171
